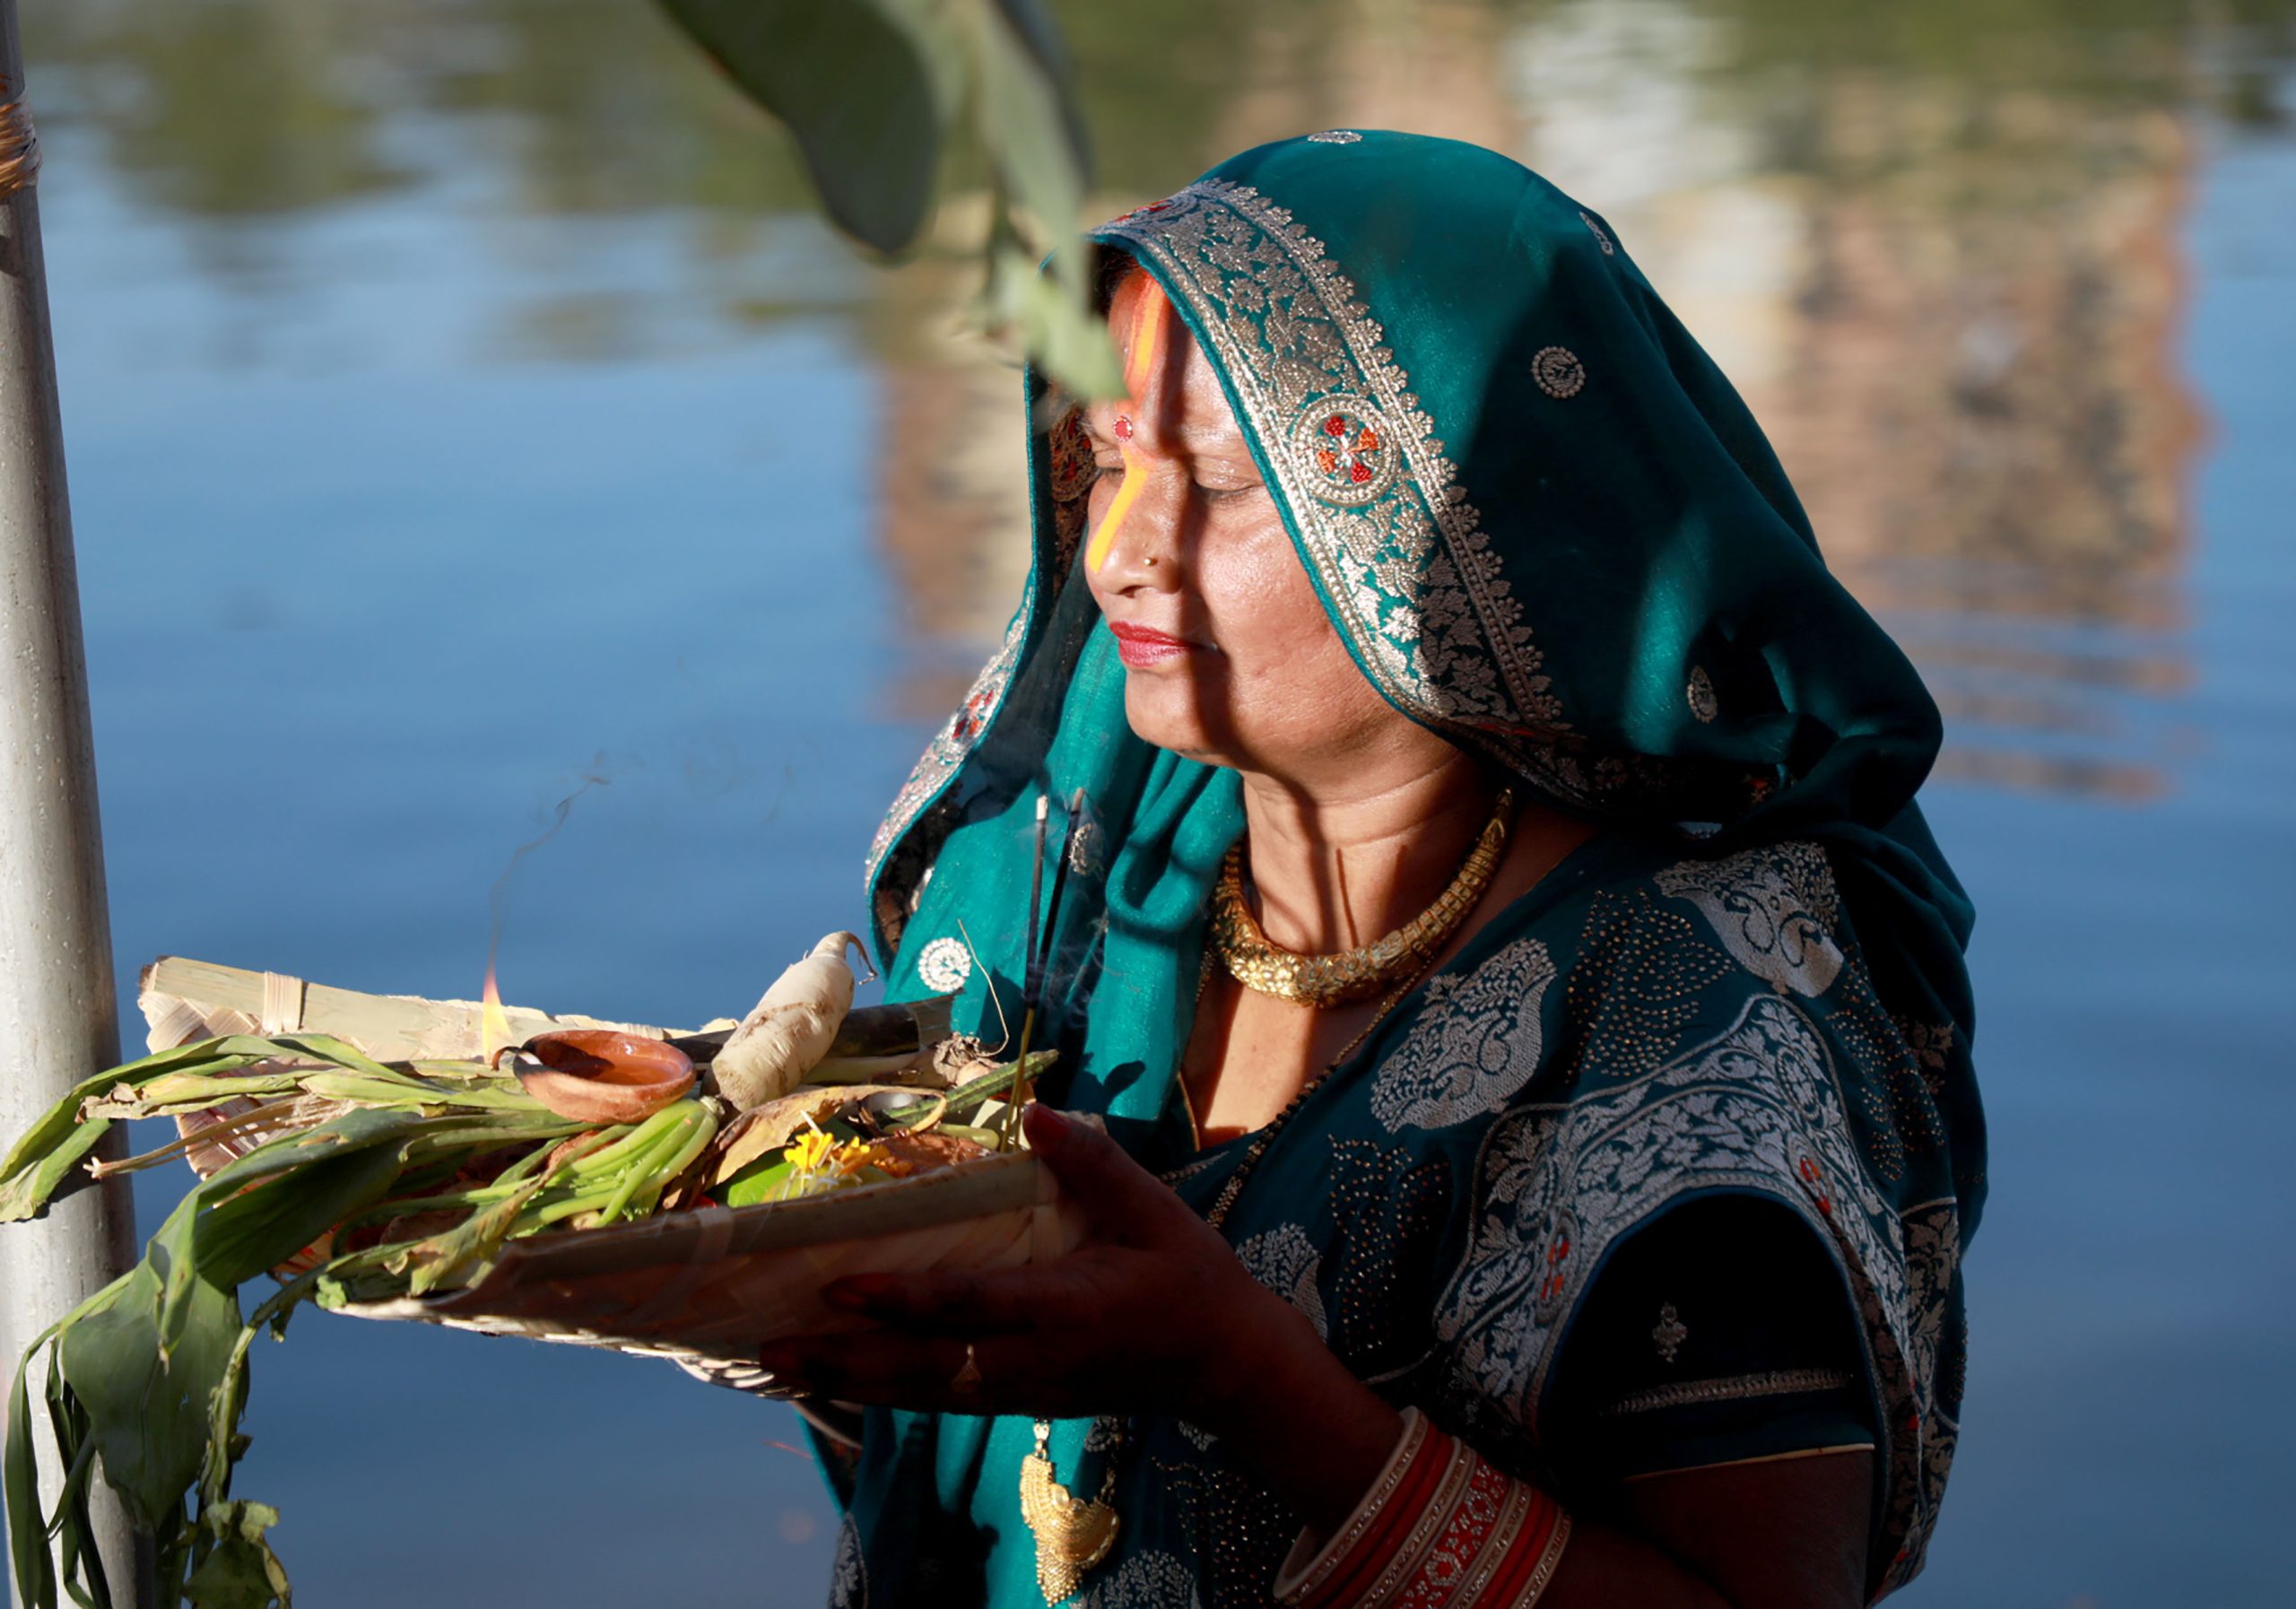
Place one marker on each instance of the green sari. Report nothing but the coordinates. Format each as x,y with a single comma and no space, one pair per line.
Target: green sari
1561,542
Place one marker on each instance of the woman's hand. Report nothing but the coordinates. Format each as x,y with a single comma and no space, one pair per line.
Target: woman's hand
1152,1314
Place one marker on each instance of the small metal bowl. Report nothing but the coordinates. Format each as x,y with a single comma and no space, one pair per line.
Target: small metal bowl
882,1112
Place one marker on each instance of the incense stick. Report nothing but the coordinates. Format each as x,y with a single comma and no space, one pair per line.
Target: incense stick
1035,958
1031,979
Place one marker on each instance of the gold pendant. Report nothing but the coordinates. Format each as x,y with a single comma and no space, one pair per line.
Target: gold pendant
1072,1535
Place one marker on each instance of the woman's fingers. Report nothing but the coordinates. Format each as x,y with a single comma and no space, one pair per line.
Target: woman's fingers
881,1366
1116,1192
894,1369
1019,1299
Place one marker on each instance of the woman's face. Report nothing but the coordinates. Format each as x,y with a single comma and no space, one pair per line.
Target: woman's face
1229,655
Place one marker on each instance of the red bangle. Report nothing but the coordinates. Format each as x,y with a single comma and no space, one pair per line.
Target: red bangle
1321,1568
1440,1529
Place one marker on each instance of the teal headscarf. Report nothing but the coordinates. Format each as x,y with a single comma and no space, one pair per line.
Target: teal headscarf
1545,527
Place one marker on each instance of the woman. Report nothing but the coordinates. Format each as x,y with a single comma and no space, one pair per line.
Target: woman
1594,1238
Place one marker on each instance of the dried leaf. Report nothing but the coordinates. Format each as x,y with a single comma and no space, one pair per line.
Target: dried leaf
769,1127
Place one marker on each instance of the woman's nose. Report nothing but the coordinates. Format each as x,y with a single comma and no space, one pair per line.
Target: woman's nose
1140,538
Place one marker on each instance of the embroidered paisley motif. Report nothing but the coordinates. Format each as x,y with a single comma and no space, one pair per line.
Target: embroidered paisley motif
1147,1581
1287,1263
1774,909
1473,1048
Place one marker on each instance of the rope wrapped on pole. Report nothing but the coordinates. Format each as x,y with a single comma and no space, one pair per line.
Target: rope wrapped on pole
19,144
58,1009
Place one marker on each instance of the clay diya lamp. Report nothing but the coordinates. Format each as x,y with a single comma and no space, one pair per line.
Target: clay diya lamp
600,1075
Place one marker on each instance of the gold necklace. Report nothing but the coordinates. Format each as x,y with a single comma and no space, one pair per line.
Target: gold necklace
1259,963
1072,1534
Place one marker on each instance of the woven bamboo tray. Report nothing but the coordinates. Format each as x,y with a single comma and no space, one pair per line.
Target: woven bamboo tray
716,1282
704,1288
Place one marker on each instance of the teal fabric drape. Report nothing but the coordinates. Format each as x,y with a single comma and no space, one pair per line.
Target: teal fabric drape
1557,538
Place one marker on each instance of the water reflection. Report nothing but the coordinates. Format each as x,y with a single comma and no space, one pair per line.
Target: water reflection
1955,304
1937,249
1945,270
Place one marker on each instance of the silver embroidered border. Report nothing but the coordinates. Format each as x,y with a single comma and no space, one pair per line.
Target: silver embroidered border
1431,483
1730,1388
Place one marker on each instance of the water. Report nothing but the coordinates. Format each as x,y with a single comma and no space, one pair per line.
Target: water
461,401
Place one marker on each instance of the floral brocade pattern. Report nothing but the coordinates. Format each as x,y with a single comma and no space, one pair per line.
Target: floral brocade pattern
1441,1215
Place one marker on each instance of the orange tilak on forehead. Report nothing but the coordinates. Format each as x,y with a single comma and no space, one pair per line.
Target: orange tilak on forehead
1140,367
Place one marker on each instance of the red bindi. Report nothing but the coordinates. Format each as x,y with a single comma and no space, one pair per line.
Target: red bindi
1123,428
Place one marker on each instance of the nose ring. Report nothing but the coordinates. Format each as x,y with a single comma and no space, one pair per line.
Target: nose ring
1152,561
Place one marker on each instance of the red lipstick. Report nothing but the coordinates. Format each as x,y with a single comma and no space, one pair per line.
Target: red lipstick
1142,647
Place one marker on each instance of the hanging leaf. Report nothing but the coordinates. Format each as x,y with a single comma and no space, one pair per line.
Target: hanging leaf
1063,336
867,87
1034,132
34,1571
240,1571
147,1411
1028,118
870,89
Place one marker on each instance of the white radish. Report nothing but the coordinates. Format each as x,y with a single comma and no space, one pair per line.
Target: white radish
791,1027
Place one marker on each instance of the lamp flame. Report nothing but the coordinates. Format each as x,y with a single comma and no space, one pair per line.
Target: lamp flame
494,1032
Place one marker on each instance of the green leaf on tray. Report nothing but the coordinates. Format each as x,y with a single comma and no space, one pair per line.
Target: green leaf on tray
250,1234
146,1380
25,1194
431,1263
761,1181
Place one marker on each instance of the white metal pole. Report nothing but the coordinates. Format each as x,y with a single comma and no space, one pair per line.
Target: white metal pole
57,1021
